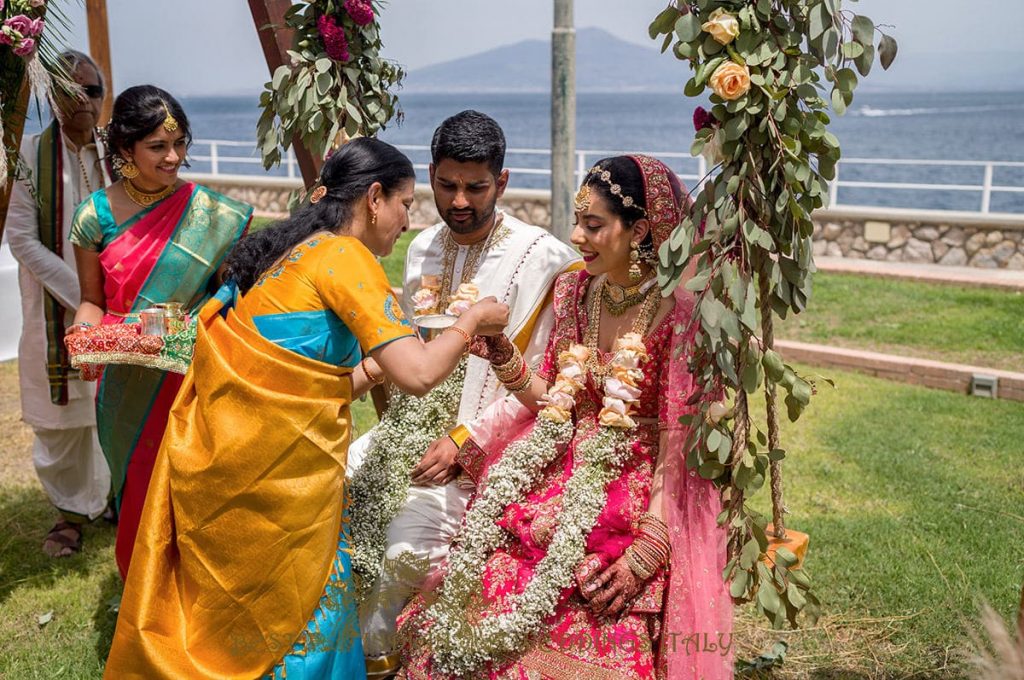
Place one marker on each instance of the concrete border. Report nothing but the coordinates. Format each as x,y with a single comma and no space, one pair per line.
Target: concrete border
934,374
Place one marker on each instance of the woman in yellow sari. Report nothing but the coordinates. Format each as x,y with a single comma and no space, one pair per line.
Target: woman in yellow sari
241,566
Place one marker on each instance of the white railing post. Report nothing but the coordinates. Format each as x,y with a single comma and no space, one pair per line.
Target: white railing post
986,189
214,159
702,171
291,164
833,189
581,166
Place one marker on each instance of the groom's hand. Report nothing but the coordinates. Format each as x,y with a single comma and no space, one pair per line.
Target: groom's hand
438,464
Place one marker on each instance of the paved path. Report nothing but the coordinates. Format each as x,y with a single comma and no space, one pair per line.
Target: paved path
968,276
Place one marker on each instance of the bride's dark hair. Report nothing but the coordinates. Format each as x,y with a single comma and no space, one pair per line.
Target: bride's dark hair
346,176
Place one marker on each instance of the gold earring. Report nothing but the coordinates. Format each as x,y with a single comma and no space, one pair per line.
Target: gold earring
373,219
634,258
129,170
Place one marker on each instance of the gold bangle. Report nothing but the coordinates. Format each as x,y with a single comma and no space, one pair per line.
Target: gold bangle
465,336
376,380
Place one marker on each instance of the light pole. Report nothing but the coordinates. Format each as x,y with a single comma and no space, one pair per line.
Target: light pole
563,118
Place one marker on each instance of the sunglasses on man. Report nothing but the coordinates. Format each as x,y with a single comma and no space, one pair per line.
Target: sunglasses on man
93,91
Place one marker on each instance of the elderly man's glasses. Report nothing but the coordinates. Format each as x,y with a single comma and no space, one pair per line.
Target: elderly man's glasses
93,91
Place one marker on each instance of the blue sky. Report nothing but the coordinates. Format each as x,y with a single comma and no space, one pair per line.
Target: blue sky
210,46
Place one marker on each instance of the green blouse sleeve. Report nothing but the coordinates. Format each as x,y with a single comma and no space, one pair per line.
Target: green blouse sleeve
86,230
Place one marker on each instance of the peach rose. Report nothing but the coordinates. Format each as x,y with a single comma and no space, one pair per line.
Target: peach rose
730,80
573,373
555,414
615,414
618,389
465,297
722,26
578,353
630,376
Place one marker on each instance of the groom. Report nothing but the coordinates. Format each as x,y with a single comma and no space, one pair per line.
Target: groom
477,251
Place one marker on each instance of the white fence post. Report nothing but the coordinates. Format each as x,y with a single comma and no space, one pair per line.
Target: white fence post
986,189
291,164
833,189
214,159
581,166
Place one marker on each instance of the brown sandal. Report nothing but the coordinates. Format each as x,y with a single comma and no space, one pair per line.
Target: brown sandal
64,542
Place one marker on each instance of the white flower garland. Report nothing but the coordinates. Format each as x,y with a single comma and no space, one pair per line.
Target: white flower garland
380,485
460,646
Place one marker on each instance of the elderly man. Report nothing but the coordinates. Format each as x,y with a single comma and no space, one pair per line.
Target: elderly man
66,165
475,251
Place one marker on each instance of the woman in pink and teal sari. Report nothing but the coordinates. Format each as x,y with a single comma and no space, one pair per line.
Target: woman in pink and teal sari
149,238
588,550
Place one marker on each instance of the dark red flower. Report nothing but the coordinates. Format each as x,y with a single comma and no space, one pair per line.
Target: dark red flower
334,39
702,119
361,11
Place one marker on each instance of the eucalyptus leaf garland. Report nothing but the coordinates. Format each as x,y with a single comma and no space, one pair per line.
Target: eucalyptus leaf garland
336,84
774,68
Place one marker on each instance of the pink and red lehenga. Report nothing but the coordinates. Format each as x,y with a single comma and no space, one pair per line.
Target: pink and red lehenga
680,624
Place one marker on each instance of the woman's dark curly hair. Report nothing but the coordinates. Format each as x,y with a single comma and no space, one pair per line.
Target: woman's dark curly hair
138,111
346,175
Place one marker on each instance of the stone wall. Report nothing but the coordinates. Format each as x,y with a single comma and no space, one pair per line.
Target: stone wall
889,234
933,237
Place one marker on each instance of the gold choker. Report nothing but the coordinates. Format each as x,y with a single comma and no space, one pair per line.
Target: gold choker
145,198
618,299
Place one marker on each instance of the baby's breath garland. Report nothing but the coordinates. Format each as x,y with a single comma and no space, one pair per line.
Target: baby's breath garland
380,485
461,646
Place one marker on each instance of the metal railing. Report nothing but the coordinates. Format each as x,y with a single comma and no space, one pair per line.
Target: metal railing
691,170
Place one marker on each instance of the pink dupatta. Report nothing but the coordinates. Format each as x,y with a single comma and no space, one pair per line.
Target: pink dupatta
131,257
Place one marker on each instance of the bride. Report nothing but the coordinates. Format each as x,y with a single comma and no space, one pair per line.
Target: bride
588,550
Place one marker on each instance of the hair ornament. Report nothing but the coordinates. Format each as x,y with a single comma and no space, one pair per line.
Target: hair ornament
170,122
616,189
318,194
582,200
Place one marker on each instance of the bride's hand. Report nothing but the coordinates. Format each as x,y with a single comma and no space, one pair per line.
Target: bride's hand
496,349
611,591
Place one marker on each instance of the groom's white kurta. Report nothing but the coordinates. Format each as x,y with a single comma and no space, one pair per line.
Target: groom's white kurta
519,270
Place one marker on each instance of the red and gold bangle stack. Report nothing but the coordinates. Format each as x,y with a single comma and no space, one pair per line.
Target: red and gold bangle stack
650,550
514,374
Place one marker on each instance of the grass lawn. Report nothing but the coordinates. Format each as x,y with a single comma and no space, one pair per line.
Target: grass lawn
979,326
914,500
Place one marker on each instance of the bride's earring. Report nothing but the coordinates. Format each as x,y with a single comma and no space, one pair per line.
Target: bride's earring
634,258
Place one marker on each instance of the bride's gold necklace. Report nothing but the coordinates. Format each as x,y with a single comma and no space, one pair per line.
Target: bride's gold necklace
619,299
651,301
145,198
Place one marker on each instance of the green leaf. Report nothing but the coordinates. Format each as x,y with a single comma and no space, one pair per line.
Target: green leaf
801,391
280,74
887,49
323,65
838,103
751,377
768,597
785,556
796,597
865,60
738,587
750,554
852,50
693,88
714,440
688,27
863,30
793,408
711,311
724,449
735,127
663,23
774,368
775,455
819,21
846,79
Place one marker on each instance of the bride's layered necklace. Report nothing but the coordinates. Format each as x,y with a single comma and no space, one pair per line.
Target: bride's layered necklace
646,294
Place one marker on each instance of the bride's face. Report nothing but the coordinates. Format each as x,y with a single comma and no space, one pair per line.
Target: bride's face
603,238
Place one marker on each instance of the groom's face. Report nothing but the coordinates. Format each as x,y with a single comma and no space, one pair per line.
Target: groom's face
466,193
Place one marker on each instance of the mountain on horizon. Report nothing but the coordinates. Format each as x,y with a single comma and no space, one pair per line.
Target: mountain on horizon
606,63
